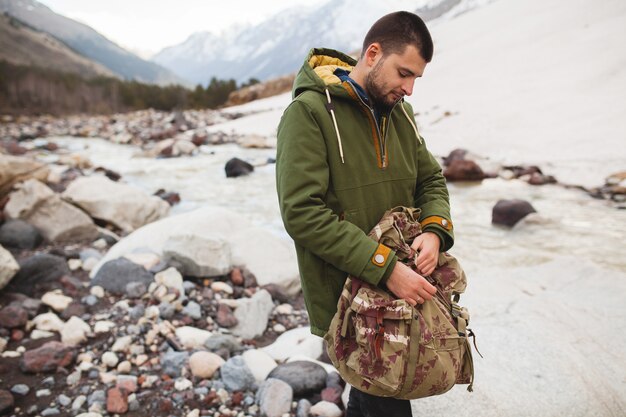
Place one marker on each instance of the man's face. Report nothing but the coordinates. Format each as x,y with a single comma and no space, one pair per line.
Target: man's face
393,75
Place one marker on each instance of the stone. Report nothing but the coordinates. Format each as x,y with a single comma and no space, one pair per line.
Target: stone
332,394
463,170
192,337
204,364
303,408
20,389
127,383
122,344
235,167
19,234
236,375
274,398
103,326
326,409
219,341
509,212
115,275
57,220
270,258
78,402
182,384
136,289
293,342
193,310
148,260
198,256
8,267
303,376
109,359
278,293
14,169
122,205
173,362
220,286
125,366
253,314
13,316
286,309
64,400
75,331
259,362
56,300
117,401
75,308
48,322
50,412
236,276
166,310
225,316
38,271
455,155
47,358
334,380
171,278
97,291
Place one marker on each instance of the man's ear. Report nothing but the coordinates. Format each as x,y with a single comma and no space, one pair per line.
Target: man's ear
372,54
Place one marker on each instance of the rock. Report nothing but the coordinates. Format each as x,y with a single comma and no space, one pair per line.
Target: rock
334,380
236,276
193,310
48,322
117,401
125,366
183,147
304,377
192,337
50,412
540,179
270,258
204,364
74,309
64,400
166,310
253,314
38,271
8,267
220,286
225,317
110,359
256,142
115,275
199,256
285,309
13,316
15,169
236,375
297,341
171,278
455,155
332,394
20,235
235,167
6,402
75,331
259,362
303,408
326,409
463,170
183,384
20,389
57,220
219,341
122,344
173,362
274,398
136,289
56,300
170,197
47,358
509,212
122,205
127,383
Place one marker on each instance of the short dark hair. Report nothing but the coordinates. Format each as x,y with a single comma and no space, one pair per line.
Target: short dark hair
395,31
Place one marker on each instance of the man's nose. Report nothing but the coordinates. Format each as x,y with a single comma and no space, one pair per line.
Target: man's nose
407,87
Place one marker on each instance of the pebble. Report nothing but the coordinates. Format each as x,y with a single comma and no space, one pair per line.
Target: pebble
326,409
50,412
103,326
136,289
183,384
20,389
43,392
166,310
64,400
204,364
49,322
220,286
284,309
78,402
73,378
74,264
40,334
193,310
122,344
279,328
97,291
75,331
110,359
90,300
124,367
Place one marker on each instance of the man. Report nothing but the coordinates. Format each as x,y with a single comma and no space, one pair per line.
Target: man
348,150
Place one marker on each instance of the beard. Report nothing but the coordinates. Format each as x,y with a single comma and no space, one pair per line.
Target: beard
375,87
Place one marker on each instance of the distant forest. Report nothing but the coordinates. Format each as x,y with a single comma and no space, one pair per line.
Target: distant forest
31,90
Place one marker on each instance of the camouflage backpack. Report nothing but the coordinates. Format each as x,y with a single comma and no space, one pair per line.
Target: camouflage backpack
385,347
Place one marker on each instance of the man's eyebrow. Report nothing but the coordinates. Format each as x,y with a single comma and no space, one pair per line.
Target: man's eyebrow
411,73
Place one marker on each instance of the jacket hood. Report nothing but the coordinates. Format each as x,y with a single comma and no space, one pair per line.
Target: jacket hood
317,71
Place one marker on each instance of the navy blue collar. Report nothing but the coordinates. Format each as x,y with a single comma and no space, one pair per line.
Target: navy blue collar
345,76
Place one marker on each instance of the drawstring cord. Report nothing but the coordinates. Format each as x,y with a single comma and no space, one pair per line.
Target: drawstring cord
412,124
331,110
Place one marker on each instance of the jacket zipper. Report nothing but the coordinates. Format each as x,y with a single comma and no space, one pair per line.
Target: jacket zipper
381,137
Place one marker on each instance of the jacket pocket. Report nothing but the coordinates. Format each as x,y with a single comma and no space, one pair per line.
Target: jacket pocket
381,333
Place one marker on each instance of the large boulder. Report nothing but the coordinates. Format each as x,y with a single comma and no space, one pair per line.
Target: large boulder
272,261
509,212
115,275
14,169
8,267
39,271
122,205
198,256
57,220
20,235
463,170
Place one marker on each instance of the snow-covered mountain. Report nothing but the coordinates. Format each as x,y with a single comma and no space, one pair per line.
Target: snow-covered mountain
278,45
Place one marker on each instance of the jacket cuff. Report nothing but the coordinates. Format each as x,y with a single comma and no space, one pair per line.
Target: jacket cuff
379,266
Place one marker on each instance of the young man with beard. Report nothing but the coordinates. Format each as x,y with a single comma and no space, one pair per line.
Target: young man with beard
348,150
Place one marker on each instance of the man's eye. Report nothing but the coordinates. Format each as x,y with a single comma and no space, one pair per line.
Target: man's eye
403,75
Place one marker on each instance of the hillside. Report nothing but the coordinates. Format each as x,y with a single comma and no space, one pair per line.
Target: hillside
22,45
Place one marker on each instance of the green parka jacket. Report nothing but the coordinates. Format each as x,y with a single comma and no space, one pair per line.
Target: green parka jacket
338,171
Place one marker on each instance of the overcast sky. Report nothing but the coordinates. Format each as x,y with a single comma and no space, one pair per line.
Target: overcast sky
147,26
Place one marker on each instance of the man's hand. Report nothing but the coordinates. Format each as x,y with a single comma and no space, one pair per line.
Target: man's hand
409,285
427,244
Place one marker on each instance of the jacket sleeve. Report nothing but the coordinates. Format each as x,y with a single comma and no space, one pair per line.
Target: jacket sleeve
431,195
302,182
